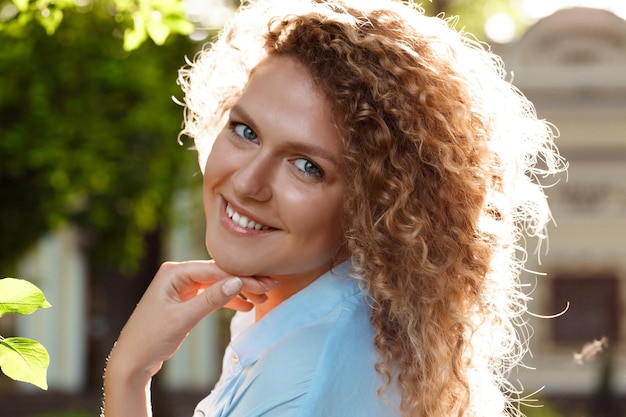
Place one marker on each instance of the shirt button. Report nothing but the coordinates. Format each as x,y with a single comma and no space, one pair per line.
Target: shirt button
235,358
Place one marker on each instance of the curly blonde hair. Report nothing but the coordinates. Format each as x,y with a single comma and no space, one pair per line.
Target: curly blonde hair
443,158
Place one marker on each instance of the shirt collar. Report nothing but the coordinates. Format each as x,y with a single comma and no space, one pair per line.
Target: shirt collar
311,303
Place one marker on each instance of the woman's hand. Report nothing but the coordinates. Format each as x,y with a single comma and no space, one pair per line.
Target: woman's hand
180,295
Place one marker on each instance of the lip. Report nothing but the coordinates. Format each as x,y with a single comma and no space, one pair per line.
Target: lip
235,228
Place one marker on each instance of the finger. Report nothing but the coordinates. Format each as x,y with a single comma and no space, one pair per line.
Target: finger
254,291
182,280
259,285
254,298
239,304
213,298
203,271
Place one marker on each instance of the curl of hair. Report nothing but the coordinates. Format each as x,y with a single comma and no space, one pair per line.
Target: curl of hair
444,159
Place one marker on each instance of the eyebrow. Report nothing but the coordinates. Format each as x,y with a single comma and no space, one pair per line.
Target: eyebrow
306,148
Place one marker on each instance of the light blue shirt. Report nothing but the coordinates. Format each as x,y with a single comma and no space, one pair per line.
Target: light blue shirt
312,356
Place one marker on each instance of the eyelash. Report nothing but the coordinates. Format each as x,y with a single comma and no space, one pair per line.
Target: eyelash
318,175
233,126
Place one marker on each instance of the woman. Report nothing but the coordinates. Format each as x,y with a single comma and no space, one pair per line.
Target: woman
369,174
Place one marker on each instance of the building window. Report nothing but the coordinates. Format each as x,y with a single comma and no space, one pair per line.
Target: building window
593,308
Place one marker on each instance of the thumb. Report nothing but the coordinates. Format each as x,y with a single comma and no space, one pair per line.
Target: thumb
214,298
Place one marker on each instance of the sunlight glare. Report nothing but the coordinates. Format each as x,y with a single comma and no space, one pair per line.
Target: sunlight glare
500,28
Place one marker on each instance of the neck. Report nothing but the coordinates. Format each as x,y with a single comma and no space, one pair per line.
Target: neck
288,287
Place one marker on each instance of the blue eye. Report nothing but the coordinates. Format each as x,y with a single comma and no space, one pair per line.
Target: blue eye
308,167
244,131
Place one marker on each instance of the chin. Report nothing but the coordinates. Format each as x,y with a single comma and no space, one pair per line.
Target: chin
234,267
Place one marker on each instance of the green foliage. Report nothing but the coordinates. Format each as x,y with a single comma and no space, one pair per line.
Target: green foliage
20,358
151,18
470,16
137,19
88,136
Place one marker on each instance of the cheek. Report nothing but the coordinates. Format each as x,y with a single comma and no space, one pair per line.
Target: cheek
217,163
321,217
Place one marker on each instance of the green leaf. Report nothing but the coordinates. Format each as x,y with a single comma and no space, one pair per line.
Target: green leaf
158,31
50,20
22,5
25,360
19,296
64,4
180,25
135,36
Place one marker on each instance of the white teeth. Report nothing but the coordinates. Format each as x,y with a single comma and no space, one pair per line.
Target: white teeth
243,221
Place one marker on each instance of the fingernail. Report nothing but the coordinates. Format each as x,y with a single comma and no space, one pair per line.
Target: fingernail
232,286
271,286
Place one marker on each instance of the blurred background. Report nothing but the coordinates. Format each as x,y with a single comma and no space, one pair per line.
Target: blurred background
96,191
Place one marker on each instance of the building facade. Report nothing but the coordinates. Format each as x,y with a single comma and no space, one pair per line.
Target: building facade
572,65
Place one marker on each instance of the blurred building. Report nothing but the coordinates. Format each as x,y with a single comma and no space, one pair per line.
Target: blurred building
572,65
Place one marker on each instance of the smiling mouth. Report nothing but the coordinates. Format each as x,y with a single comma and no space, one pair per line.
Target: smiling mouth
243,221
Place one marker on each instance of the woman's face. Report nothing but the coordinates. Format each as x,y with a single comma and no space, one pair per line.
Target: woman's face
273,187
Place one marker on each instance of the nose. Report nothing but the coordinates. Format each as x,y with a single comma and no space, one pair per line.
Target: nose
253,179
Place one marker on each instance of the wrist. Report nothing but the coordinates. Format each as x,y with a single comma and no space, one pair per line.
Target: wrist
124,370
126,390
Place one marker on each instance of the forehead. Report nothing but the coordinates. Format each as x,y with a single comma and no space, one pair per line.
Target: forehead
282,100
282,76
